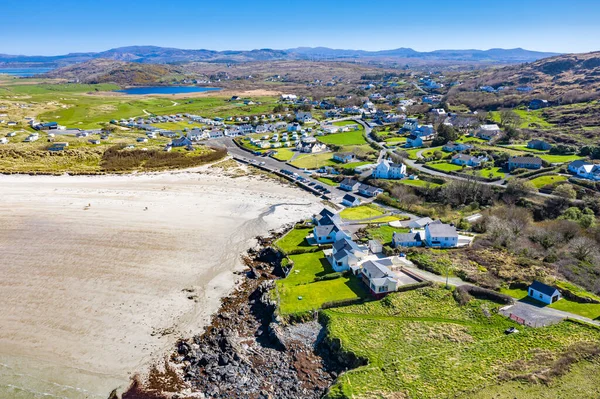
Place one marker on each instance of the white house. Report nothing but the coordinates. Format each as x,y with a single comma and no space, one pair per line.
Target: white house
345,254
468,160
327,234
488,132
344,157
349,184
369,191
378,277
303,117
311,147
350,200
575,165
411,124
414,141
458,147
420,223
543,293
438,234
386,169
589,171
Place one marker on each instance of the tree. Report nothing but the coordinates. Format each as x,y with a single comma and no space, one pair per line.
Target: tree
565,191
509,118
445,134
517,189
582,248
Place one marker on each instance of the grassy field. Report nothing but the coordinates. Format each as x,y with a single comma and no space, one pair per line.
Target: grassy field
354,137
294,239
446,167
328,181
529,119
284,154
352,165
418,183
422,344
384,233
490,172
314,161
301,291
361,212
542,181
559,158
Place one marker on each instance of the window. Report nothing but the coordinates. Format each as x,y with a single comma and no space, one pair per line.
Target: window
541,296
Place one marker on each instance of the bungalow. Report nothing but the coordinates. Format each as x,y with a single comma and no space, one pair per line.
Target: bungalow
345,254
369,191
181,142
326,234
575,165
488,132
524,162
386,169
344,157
456,147
349,184
410,239
468,160
438,234
539,145
350,200
543,293
378,277
414,141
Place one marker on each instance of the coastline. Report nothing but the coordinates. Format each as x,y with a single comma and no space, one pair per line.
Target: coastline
96,218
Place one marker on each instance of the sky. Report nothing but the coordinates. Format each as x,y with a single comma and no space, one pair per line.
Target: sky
53,27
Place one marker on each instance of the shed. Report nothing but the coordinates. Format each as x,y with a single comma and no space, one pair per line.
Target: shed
543,292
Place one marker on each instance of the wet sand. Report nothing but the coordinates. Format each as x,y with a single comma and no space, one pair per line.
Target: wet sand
94,286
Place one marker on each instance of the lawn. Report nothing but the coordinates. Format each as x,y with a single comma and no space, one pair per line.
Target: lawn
328,181
529,119
542,181
294,239
283,154
418,183
490,172
384,233
361,212
422,344
446,167
314,161
396,140
354,137
559,158
352,165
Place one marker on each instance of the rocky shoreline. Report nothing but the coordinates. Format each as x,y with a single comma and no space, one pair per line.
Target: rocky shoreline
246,352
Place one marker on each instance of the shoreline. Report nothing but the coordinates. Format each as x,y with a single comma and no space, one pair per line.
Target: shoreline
89,213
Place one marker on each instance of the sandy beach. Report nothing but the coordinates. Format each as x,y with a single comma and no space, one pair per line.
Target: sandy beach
101,274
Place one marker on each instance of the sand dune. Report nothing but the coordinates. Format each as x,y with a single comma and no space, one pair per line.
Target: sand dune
99,275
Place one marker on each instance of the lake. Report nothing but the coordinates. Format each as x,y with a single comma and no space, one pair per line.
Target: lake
24,72
166,90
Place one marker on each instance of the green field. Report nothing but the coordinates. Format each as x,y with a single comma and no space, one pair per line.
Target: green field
446,167
559,158
418,183
314,161
542,181
353,165
384,233
284,154
354,137
361,212
490,172
328,181
422,344
294,239
529,119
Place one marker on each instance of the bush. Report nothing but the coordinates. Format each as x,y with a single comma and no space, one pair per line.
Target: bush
331,276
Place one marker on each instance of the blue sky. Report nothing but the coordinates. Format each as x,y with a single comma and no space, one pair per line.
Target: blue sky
48,27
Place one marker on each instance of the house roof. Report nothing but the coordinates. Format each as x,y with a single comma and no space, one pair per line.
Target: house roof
349,198
325,212
462,157
348,182
377,270
543,288
325,230
345,244
528,160
439,229
343,154
407,237
421,222
369,189
578,164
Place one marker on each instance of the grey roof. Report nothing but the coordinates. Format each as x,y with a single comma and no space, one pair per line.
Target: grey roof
407,237
543,288
462,157
527,160
343,154
345,244
349,198
439,229
421,222
325,230
578,163
376,270
369,189
341,254
348,182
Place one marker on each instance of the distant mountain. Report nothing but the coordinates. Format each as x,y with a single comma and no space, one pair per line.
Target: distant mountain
166,55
